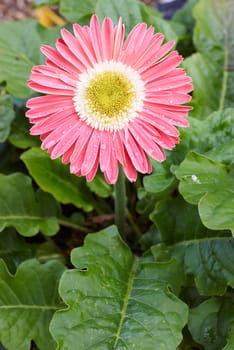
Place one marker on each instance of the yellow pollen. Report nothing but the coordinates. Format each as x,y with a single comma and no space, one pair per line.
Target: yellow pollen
109,94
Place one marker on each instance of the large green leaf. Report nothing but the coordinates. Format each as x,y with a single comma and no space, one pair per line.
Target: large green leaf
178,220
118,301
29,213
209,261
54,177
208,184
6,117
28,300
210,322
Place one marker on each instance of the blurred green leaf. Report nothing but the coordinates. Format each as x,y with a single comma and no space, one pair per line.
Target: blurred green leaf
6,116
54,177
129,10
210,321
28,300
20,50
153,18
185,16
18,56
178,221
212,68
209,261
29,213
230,340
100,187
213,137
20,136
77,10
13,249
116,300
207,82
208,184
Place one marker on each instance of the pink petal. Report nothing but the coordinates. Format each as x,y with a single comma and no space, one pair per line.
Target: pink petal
51,122
91,154
107,35
146,142
136,153
129,169
57,59
161,68
158,122
90,176
118,39
104,150
83,36
66,141
96,39
54,136
76,48
78,155
167,97
49,90
69,56
46,105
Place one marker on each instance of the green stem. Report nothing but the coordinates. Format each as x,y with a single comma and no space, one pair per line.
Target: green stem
120,203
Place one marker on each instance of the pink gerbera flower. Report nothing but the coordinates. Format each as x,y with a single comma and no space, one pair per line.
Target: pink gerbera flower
109,101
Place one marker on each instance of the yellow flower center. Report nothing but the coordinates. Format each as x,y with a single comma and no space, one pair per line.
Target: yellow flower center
109,94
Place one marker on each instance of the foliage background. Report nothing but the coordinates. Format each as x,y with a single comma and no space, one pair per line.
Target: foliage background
172,286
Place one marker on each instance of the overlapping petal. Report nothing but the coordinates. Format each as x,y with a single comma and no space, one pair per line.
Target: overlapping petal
64,133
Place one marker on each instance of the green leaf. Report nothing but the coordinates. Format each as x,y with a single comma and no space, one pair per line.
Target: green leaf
214,39
178,221
214,30
207,80
153,18
184,16
18,56
116,300
208,184
209,261
158,183
134,12
77,10
6,117
210,321
54,177
230,340
213,137
100,187
13,249
28,300
20,135
129,10
19,52
29,213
